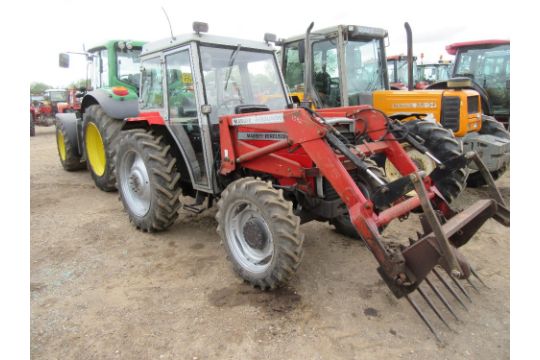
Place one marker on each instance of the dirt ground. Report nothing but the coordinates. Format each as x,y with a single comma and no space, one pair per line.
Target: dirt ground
100,289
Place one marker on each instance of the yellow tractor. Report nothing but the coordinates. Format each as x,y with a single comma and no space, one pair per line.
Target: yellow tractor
348,67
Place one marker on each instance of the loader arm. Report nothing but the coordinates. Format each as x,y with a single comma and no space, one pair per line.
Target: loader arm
320,144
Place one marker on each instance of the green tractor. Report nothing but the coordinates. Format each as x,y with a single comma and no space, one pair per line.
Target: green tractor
88,138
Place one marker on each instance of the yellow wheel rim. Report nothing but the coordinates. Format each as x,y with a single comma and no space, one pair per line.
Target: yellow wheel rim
421,161
61,144
95,150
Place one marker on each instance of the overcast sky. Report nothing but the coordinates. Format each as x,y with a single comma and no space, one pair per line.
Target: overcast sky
74,23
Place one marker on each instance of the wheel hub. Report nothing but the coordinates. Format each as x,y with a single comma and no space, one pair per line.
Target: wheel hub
135,183
255,234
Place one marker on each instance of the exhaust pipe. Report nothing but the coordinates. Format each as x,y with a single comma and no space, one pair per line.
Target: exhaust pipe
410,79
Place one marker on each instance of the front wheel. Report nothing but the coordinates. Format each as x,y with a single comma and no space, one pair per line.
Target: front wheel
260,232
148,180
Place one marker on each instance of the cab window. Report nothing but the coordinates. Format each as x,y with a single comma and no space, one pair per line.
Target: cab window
152,84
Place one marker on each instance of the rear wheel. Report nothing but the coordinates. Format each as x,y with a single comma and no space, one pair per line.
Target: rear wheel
67,152
260,232
101,134
32,125
444,146
148,180
490,126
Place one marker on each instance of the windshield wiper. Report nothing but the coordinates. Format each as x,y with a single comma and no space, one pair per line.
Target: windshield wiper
231,63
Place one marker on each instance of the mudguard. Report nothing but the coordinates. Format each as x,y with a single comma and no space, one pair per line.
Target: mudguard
72,126
114,106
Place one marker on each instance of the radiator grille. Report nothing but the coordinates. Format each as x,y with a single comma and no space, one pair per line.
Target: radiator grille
450,112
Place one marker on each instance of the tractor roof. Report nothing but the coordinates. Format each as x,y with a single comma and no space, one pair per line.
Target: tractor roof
110,43
356,29
184,39
453,48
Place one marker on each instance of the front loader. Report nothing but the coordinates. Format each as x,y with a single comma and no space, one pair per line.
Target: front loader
88,137
272,166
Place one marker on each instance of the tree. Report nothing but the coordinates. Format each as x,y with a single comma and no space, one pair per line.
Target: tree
38,87
78,84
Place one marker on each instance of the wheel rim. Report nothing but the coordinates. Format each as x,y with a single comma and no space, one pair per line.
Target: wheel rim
135,183
95,150
61,145
249,237
422,162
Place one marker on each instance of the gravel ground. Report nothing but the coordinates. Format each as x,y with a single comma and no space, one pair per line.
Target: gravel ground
100,289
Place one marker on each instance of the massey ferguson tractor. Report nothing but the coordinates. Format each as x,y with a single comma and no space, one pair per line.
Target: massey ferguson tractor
347,67
216,123
88,137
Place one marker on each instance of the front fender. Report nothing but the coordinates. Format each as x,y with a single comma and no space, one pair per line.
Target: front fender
114,106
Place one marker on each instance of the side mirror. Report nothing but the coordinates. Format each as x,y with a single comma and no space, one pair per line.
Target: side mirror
302,51
63,60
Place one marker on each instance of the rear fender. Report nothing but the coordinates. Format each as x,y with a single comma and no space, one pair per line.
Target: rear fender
116,108
73,128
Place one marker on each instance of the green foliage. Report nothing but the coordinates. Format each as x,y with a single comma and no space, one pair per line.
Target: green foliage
77,84
38,87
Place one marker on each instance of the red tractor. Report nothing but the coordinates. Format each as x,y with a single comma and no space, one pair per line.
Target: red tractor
216,123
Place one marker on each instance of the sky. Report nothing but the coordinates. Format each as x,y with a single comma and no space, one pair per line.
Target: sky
434,24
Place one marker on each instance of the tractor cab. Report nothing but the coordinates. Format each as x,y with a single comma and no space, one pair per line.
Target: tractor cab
192,80
432,73
348,64
398,74
487,63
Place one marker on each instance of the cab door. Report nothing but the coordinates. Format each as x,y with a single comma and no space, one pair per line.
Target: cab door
184,94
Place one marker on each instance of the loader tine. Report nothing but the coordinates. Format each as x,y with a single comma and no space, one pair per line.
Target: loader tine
442,298
474,287
449,288
478,277
461,288
433,307
422,316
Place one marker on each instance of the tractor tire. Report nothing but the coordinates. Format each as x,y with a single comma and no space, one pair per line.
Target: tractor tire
101,134
490,126
67,152
148,180
260,232
32,125
342,223
444,146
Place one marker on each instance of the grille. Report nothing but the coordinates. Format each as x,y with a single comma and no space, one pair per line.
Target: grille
472,104
450,112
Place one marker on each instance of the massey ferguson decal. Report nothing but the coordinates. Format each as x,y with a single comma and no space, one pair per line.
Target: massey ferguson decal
262,136
258,119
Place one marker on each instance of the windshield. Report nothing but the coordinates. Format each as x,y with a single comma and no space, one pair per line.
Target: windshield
58,96
128,66
398,71
490,68
249,77
433,73
363,62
